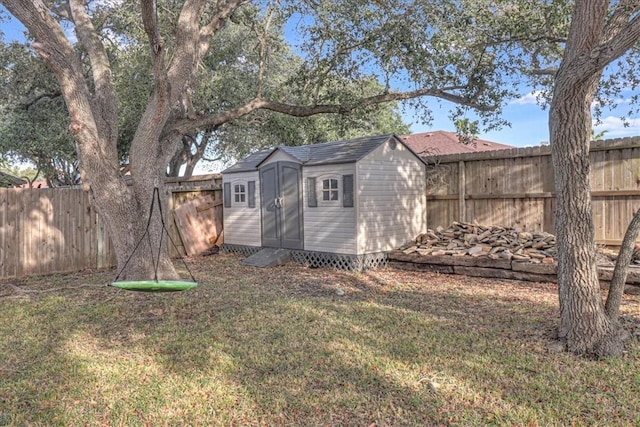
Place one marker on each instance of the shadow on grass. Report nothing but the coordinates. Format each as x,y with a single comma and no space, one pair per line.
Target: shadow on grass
297,346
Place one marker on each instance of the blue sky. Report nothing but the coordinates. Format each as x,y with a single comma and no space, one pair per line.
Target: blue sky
528,120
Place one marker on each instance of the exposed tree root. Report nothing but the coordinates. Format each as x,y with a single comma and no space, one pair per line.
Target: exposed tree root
613,343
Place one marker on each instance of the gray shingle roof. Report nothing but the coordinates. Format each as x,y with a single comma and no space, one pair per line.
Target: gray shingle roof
346,151
250,162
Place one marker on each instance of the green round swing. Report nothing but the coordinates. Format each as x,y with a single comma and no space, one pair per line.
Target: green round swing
155,285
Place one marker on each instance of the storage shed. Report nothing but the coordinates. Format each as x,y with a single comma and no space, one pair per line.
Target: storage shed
343,204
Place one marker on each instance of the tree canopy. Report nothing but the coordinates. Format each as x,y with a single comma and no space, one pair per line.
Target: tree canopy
35,118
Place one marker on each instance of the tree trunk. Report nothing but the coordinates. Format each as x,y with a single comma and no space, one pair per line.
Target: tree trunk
139,256
125,208
186,156
584,323
596,39
583,320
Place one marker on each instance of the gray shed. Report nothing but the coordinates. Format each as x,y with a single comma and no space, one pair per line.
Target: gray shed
343,204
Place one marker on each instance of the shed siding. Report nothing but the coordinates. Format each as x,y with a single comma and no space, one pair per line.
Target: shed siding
391,199
242,224
328,227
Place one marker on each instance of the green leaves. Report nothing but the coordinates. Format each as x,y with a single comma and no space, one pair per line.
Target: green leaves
33,115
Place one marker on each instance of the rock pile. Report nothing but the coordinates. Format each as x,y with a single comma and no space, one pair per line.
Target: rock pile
513,244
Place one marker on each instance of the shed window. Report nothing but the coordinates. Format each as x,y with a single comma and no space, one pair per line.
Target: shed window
239,193
330,189
227,194
347,191
312,198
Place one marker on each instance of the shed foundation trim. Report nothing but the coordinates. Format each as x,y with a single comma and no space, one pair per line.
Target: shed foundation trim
315,259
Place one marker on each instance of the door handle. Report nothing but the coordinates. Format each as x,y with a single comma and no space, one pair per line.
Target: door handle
278,202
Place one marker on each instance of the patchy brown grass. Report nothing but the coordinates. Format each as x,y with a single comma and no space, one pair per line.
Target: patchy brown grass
285,347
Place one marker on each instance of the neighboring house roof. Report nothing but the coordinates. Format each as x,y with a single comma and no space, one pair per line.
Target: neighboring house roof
36,184
440,142
7,180
346,151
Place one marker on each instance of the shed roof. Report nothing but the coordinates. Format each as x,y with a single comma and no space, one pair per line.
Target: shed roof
346,151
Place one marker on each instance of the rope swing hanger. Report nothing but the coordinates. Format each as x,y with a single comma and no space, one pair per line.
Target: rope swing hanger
155,285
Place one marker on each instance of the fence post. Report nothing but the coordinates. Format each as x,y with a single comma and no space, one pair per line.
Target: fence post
462,184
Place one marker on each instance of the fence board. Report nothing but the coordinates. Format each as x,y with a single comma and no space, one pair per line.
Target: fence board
11,241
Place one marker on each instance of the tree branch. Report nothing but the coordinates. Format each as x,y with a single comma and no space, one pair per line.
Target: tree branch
586,28
34,100
262,40
533,39
620,42
105,100
150,22
590,59
56,50
150,139
543,72
194,42
50,42
620,17
319,74
225,9
187,32
209,159
218,119
536,67
619,278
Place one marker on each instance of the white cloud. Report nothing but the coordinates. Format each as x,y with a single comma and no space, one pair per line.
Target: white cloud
615,127
530,98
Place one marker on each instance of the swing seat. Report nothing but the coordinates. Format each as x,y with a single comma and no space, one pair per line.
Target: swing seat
155,285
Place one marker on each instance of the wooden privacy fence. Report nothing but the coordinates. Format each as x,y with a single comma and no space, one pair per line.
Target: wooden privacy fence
515,188
56,229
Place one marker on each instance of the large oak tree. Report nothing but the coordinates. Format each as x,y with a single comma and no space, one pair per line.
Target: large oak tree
601,32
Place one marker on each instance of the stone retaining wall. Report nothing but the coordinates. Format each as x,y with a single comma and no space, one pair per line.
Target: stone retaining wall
499,269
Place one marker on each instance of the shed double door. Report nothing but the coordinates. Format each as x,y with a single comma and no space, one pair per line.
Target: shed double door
281,193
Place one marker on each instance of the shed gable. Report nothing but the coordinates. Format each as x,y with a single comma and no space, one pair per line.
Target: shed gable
278,155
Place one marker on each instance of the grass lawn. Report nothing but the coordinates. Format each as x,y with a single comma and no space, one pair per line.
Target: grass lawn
285,347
